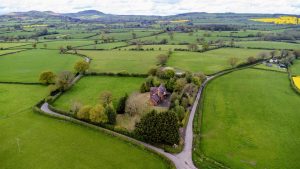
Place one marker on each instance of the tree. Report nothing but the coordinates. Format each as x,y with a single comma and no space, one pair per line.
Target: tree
133,35
106,98
193,47
45,45
171,35
84,112
205,46
47,77
251,59
81,66
273,53
111,114
162,59
233,61
263,55
75,107
97,114
135,105
62,50
296,54
180,83
122,104
64,80
96,42
232,43
34,45
161,128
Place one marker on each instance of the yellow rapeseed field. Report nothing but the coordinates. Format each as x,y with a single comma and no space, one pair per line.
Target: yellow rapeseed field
281,20
297,81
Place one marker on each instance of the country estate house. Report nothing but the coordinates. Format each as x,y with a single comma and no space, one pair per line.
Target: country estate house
157,95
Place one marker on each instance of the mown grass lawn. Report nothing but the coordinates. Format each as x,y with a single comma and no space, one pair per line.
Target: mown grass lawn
250,120
26,66
88,90
118,61
268,44
295,68
31,140
211,61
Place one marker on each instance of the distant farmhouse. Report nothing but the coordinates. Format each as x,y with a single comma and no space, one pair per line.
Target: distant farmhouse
158,95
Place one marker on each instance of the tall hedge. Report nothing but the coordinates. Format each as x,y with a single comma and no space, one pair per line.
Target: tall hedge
159,128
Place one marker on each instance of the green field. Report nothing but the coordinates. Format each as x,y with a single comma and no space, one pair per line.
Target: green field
61,43
3,52
268,44
88,90
11,44
248,122
295,68
26,66
104,46
30,140
118,61
159,47
124,35
211,61
274,67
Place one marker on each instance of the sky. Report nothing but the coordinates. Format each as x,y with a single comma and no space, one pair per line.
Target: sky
153,7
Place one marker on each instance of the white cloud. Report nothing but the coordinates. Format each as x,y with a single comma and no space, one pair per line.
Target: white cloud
154,7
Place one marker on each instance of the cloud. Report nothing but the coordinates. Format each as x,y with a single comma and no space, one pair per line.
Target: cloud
155,7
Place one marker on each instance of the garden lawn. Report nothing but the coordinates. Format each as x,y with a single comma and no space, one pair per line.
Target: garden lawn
118,61
268,44
295,68
88,90
211,61
250,120
31,140
26,66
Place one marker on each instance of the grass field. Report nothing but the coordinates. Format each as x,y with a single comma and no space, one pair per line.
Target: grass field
26,66
117,61
295,68
88,90
125,35
268,44
11,44
30,140
104,46
61,43
248,122
3,52
211,61
159,47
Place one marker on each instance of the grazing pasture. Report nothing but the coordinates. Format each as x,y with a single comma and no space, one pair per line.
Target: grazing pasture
295,68
158,47
104,46
6,45
211,61
58,44
26,66
268,45
31,140
88,90
4,52
249,120
118,61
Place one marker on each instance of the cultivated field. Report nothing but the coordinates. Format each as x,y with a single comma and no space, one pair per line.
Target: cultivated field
211,61
248,122
118,61
26,66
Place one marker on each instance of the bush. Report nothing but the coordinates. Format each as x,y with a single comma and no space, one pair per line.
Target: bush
121,104
159,128
180,83
47,77
75,107
64,80
144,88
97,114
84,113
106,98
251,59
180,112
111,114
170,85
196,80
81,66
152,72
